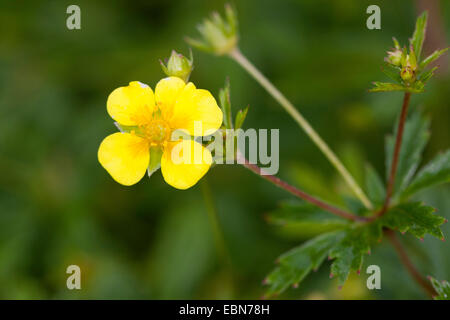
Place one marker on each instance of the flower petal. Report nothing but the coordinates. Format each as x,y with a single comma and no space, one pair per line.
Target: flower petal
131,105
125,156
184,163
195,107
167,91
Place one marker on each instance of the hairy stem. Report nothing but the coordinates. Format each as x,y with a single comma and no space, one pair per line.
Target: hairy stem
299,193
408,263
303,123
398,144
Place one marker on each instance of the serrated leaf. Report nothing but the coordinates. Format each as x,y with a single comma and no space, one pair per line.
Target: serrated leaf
437,171
347,247
415,218
296,264
419,34
425,76
386,87
298,212
432,57
415,137
350,252
374,185
442,289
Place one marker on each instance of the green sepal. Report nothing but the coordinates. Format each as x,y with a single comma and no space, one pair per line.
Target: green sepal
225,104
155,160
240,117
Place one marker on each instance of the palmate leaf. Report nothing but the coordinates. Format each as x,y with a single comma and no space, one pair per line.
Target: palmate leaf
415,218
347,248
348,255
442,289
296,264
434,173
415,137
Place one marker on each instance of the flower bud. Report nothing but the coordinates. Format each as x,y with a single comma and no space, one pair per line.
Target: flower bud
178,66
409,67
218,34
394,57
408,74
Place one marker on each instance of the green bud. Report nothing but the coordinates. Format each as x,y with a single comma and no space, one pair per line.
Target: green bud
218,34
409,67
178,66
394,57
408,74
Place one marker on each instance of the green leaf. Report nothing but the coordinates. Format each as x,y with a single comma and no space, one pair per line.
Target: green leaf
415,218
240,117
442,289
305,216
386,86
425,76
419,34
374,186
155,160
415,137
225,104
435,172
350,252
432,57
347,247
392,72
296,264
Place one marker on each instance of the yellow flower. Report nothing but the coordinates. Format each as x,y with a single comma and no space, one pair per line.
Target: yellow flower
150,120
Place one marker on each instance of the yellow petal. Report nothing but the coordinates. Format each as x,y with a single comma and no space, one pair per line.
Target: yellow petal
196,111
125,157
131,105
167,91
184,163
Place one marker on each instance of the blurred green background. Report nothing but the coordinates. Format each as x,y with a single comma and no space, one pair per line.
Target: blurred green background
59,207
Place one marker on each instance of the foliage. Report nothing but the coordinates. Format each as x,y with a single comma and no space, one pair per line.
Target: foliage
348,246
442,288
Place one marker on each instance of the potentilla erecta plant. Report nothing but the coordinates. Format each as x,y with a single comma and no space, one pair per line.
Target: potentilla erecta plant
183,131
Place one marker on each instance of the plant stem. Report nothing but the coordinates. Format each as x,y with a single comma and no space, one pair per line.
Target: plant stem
304,124
213,219
398,144
299,193
408,263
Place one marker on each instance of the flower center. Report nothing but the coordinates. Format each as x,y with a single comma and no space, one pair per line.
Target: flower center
156,131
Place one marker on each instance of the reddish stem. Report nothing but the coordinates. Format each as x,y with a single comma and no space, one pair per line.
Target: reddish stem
408,263
398,144
300,194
